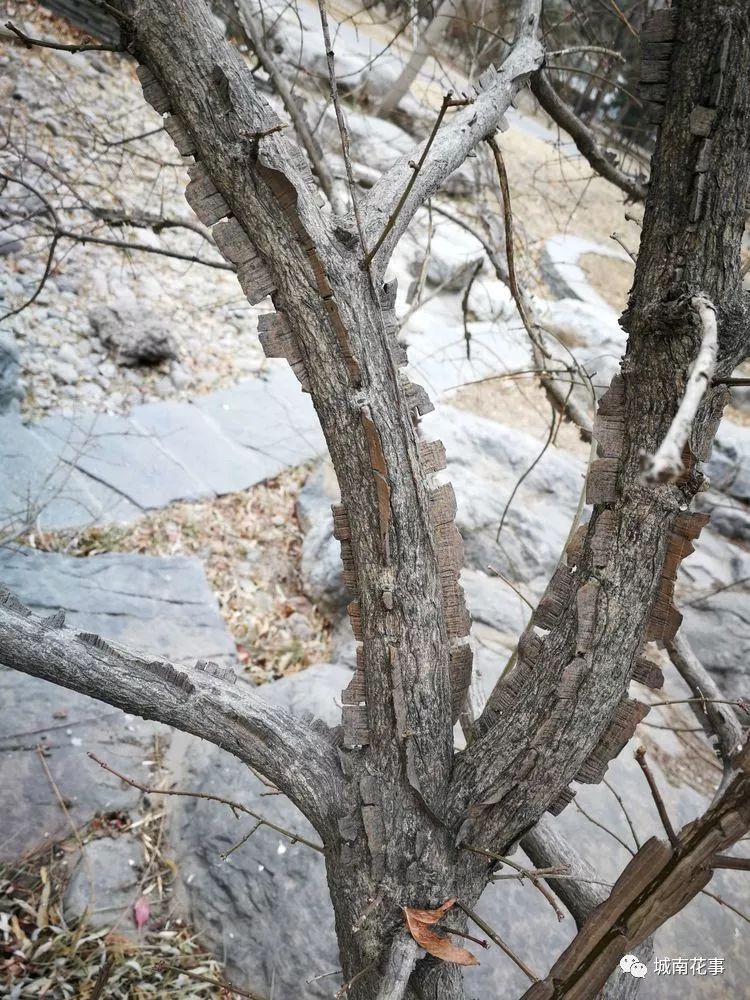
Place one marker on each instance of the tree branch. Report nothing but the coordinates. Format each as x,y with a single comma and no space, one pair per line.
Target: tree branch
584,137
658,882
44,43
453,142
711,710
299,760
292,108
667,465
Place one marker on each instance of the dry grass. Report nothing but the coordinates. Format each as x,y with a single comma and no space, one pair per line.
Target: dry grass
249,544
41,955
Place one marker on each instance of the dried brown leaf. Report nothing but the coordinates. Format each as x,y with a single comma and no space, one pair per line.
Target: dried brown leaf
420,924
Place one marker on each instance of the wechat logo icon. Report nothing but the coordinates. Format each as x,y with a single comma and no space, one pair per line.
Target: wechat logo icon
630,963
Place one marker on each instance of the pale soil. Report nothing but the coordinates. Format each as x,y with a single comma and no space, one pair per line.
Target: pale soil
609,277
522,404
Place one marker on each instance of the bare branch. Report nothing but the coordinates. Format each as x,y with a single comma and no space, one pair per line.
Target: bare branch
708,705
291,835
584,138
44,43
495,937
640,756
667,465
658,882
453,142
292,108
294,756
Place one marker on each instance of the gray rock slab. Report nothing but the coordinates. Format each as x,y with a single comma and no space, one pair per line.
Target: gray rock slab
729,465
104,885
115,451
485,461
163,606
272,416
36,487
193,439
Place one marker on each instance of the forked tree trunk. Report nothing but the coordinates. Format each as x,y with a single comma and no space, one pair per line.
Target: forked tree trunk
394,806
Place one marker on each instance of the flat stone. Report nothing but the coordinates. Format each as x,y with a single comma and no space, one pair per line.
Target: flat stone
115,451
271,416
37,488
159,605
194,439
104,885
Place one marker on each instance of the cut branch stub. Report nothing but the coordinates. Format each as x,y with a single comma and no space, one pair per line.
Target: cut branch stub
562,801
556,599
609,423
233,242
179,135
416,397
432,457
648,673
449,551
354,709
658,34
256,281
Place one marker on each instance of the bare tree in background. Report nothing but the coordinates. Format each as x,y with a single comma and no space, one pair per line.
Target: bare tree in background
405,821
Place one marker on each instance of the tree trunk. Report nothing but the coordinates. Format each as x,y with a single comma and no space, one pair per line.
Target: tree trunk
398,808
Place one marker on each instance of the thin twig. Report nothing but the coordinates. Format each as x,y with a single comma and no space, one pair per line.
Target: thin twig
531,874
234,806
448,102
221,983
294,111
620,240
722,902
561,401
640,756
345,987
343,131
42,43
625,812
601,826
465,305
494,936
67,234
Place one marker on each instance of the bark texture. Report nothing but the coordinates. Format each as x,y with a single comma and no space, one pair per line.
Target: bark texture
393,804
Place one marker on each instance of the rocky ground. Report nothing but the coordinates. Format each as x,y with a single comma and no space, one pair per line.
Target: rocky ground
183,506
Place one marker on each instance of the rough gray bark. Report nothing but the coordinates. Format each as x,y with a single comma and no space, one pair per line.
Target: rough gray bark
395,804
